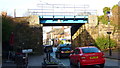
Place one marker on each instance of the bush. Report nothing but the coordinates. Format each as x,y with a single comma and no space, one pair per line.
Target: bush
103,43
7,28
103,19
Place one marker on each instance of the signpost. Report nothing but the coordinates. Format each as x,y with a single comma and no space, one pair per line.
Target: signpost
27,50
110,50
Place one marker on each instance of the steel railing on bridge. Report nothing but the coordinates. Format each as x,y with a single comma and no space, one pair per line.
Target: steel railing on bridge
62,9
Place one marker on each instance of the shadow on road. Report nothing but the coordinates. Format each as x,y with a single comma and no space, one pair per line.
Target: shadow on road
84,67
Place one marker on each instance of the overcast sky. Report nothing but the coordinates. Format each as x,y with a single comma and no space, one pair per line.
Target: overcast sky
21,6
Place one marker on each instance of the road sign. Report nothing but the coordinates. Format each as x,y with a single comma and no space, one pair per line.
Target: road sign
27,50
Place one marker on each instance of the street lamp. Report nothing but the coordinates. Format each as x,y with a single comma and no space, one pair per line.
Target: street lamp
108,15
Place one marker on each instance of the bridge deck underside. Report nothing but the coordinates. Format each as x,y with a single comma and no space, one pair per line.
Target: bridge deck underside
63,20
64,24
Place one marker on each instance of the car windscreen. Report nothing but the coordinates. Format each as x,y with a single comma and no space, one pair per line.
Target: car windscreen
65,49
62,45
90,50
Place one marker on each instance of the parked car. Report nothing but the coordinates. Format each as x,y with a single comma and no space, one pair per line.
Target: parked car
61,45
89,55
63,51
64,45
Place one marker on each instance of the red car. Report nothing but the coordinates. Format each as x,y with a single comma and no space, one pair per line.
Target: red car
89,55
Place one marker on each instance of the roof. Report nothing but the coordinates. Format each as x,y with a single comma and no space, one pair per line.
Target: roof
86,47
57,31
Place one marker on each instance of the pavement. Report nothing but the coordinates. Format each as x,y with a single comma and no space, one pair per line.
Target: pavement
8,64
33,62
115,54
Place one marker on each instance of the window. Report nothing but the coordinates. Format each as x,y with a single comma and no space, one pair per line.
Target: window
90,50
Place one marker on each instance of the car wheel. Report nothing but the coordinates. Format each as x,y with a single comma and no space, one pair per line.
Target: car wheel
79,66
56,55
101,65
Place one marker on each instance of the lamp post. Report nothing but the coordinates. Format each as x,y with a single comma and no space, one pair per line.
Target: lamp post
110,50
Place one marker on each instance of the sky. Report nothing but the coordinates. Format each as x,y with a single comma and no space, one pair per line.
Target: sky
21,6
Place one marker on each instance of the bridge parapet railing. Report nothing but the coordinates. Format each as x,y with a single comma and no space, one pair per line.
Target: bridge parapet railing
62,9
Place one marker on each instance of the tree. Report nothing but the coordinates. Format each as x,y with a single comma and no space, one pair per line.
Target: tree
25,37
28,37
103,19
103,43
7,28
106,9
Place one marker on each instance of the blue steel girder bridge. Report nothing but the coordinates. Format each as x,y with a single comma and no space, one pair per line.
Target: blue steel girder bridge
60,20
63,14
